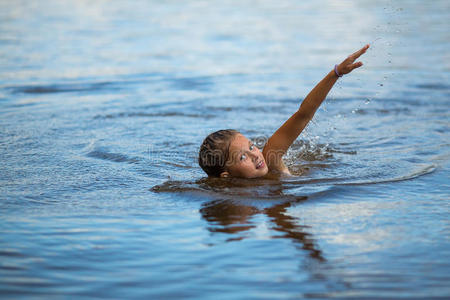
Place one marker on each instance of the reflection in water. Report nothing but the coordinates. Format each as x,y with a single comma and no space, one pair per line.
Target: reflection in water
289,226
232,202
226,216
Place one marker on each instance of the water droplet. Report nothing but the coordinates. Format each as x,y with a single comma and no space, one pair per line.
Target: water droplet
367,101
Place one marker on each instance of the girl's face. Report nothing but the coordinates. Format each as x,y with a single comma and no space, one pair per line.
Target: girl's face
245,159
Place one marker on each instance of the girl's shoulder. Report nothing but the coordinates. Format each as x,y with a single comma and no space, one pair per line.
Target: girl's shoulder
278,174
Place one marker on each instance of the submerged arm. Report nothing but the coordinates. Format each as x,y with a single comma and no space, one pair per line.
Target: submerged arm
282,139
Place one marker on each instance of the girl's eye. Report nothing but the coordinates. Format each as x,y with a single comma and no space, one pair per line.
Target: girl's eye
252,147
243,156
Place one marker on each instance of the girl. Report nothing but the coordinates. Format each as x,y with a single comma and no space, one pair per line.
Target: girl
227,153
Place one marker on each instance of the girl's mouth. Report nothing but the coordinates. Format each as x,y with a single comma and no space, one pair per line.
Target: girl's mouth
260,164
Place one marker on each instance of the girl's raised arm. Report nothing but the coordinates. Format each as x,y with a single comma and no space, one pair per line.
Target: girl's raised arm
282,139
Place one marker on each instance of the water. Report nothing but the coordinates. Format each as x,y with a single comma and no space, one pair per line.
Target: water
103,106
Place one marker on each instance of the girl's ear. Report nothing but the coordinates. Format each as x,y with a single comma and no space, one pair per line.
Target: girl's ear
224,174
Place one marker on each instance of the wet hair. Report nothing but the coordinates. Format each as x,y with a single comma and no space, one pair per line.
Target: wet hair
214,151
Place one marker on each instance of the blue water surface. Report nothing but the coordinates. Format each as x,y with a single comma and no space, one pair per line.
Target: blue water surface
103,106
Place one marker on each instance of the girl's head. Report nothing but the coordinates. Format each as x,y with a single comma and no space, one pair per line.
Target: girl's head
228,153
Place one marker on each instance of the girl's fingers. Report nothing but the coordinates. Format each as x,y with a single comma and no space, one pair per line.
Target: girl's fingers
356,65
360,52
349,63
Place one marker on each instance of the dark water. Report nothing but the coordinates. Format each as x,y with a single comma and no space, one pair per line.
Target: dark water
103,105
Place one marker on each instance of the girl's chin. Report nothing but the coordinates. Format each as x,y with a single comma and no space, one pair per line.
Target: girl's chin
263,171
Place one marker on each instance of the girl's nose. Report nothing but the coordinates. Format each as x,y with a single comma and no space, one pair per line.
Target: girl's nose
253,156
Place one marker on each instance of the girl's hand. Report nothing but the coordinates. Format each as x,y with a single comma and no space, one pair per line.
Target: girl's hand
349,63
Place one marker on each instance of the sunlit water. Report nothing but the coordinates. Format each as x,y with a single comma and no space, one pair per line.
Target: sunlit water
103,105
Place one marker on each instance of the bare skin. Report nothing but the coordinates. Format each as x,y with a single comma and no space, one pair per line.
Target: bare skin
245,159
278,144
282,139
